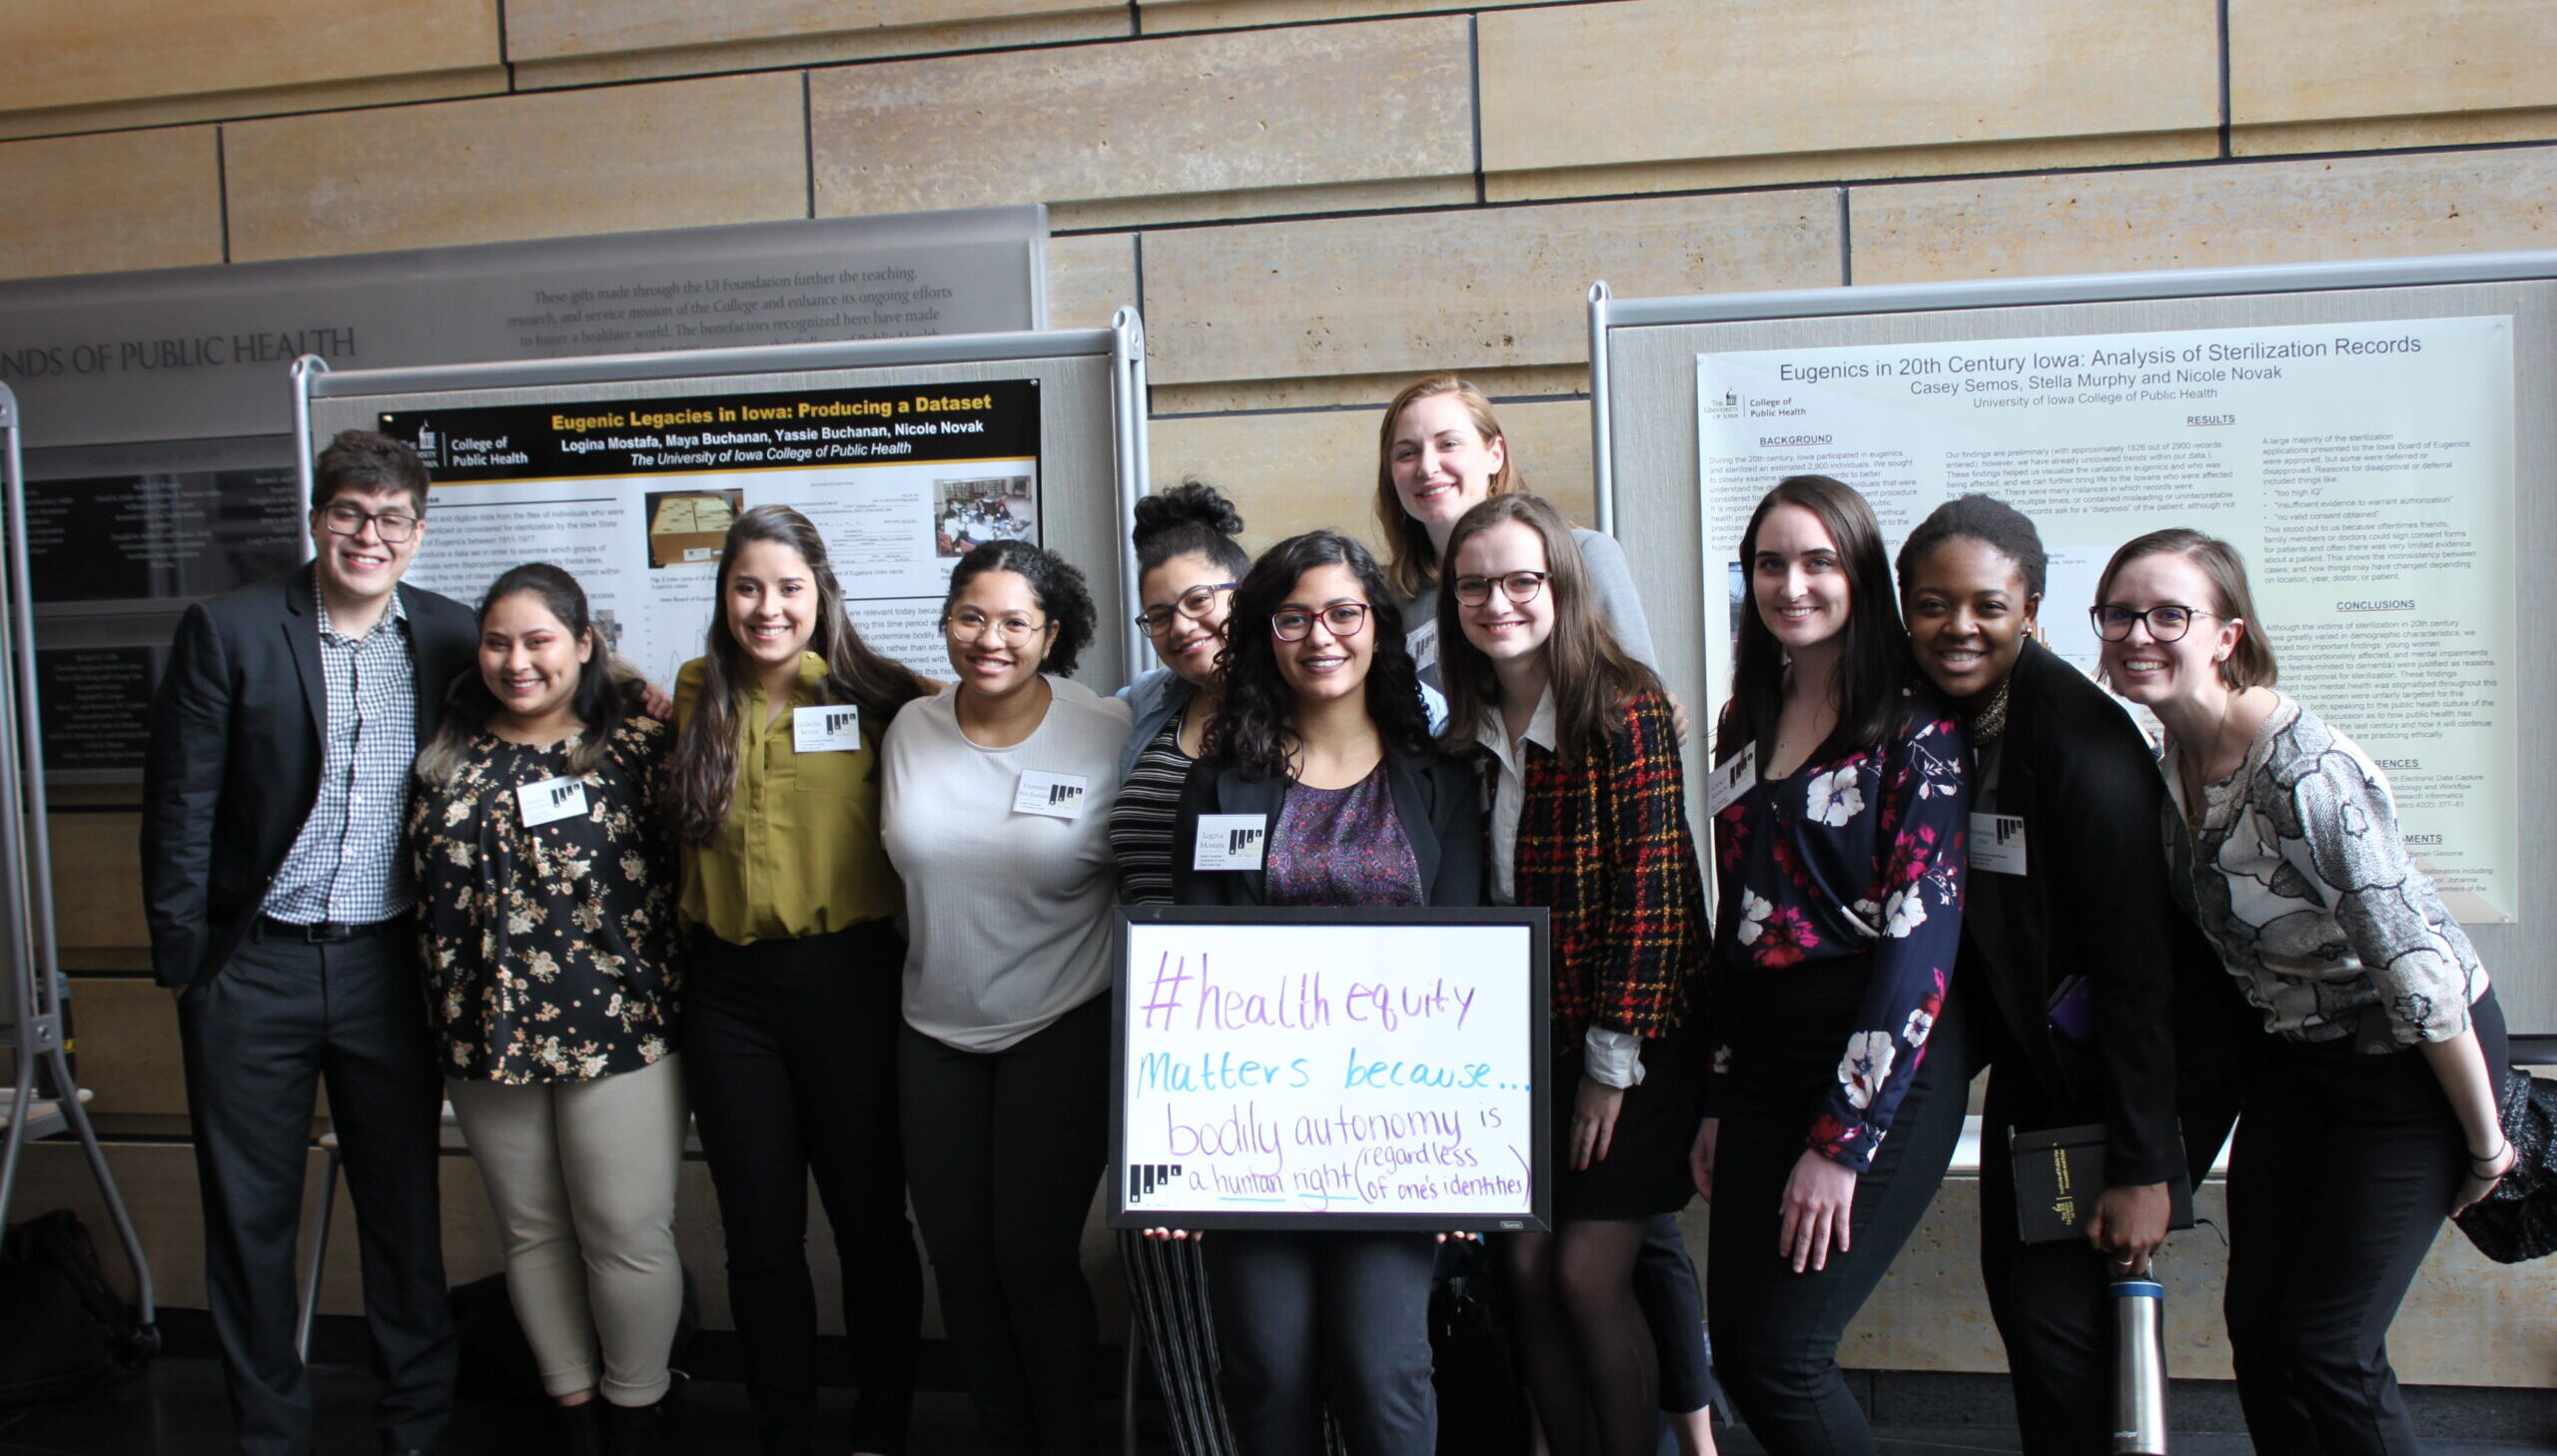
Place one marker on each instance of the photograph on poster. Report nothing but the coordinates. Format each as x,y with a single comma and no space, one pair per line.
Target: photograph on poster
2364,469
634,498
1328,1069
971,512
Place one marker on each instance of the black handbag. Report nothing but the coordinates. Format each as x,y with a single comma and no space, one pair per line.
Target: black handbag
2518,1220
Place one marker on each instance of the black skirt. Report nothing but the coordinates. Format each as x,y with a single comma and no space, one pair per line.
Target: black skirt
1645,1169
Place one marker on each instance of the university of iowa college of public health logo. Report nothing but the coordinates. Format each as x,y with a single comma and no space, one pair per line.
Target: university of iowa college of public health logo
1725,405
428,446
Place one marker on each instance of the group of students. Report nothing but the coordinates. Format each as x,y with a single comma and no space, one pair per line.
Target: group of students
857,925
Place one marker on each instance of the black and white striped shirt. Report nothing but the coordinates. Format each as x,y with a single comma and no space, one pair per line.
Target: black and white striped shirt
348,863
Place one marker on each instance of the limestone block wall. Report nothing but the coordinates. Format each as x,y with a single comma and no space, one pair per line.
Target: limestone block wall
1313,201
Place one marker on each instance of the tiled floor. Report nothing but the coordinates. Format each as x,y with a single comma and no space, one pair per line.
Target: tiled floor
177,1410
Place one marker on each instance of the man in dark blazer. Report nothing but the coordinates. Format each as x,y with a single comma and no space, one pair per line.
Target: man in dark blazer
276,886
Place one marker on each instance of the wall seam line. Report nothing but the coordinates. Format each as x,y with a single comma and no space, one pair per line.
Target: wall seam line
1845,239
808,133
2226,150
222,185
1473,76
506,52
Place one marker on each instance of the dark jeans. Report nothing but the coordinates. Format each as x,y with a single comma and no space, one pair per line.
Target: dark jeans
1007,1147
259,1038
1314,1320
789,1054
2344,1167
1775,1332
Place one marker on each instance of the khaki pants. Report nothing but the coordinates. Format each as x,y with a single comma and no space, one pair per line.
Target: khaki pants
581,1178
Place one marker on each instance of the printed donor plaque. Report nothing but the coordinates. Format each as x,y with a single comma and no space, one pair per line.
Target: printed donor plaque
1331,1069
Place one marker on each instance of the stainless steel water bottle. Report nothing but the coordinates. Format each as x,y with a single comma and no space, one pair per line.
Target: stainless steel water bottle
2139,1367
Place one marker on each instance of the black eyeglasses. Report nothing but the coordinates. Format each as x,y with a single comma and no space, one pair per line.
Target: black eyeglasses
1341,620
344,519
1518,586
1196,605
2166,622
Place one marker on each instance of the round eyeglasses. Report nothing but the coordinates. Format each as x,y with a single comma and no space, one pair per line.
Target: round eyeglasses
2168,622
1341,620
1518,586
1196,605
970,625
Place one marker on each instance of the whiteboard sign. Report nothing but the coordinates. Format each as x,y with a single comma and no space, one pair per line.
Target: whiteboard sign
1331,1069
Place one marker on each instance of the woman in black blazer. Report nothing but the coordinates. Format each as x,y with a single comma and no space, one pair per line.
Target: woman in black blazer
1321,736
2070,935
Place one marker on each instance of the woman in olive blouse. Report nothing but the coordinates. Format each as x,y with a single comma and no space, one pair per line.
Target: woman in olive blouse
543,888
790,1031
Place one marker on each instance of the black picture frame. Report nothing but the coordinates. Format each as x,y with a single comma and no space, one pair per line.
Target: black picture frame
1537,1217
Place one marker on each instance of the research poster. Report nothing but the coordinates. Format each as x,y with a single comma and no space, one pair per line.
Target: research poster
2366,471
1288,1072
634,498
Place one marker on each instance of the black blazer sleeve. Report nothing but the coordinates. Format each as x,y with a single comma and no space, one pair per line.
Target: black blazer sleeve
182,775
2110,916
1456,815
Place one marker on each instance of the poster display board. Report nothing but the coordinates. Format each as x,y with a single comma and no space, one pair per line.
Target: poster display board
1331,1069
2364,470
634,498
2367,432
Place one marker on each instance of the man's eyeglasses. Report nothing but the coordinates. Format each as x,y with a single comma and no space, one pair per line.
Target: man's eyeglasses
967,625
1341,620
1518,586
344,519
1196,605
2166,623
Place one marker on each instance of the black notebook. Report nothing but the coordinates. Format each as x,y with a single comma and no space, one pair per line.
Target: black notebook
2059,1173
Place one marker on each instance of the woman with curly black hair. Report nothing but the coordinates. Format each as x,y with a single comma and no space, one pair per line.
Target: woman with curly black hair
998,811
1323,733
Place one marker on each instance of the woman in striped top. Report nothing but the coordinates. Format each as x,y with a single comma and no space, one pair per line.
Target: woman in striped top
1186,568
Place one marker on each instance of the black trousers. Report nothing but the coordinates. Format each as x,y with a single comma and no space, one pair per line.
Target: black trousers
1309,1321
259,1038
2049,1299
1673,1305
1006,1149
2343,1170
1775,1333
789,1054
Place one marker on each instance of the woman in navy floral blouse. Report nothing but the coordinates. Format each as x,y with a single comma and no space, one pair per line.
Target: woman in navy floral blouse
1838,1091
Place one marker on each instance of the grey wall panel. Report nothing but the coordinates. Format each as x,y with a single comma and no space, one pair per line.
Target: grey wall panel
1651,403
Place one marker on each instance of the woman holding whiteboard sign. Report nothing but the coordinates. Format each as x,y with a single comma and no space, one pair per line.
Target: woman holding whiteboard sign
2371,1105
790,1016
1840,800
999,797
1589,818
1322,739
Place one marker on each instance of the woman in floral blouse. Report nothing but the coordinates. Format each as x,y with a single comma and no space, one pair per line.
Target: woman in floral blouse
545,886
1837,1094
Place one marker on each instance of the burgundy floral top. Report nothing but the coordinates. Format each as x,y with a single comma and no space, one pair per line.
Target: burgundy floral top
1854,856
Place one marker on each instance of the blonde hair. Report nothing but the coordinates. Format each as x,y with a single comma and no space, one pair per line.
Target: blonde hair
1411,563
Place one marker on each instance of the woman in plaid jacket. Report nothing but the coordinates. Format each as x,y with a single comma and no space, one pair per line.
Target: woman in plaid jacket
1589,818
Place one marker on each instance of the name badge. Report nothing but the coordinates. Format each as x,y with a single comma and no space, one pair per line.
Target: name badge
550,800
1229,842
1998,843
1059,796
834,728
1725,785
